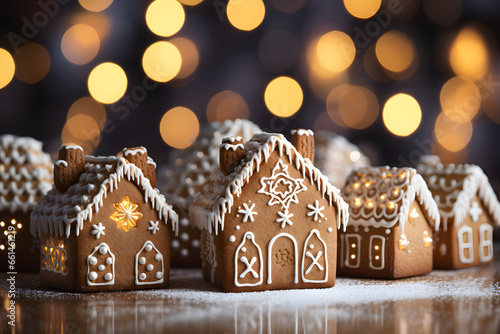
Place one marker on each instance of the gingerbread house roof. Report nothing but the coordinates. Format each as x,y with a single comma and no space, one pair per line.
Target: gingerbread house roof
454,186
336,157
382,197
58,211
217,196
25,173
191,167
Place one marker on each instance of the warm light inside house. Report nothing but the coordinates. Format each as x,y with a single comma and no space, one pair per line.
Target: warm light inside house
395,51
107,83
162,61
451,135
165,17
80,44
126,214
426,239
402,114
362,9
403,241
7,68
227,105
32,63
469,55
95,5
460,99
335,51
246,15
179,127
283,96
54,257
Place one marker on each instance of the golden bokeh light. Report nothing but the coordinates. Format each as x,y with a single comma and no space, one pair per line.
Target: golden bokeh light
32,63
335,51
7,68
190,56
362,9
227,105
89,146
402,114
80,44
161,61
283,96
190,2
395,51
165,17
469,55
99,21
95,5
352,106
246,15
179,127
451,135
107,83
373,67
83,127
460,99
89,107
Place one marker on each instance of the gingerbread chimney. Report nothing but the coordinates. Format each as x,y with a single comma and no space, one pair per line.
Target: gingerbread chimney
231,152
139,157
69,167
303,140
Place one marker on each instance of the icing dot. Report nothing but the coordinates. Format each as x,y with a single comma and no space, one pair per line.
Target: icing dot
184,252
108,276
93,276
109,260
159,274
148,248
387,231
184,237
92,260
311,246
175,244
150,267
232,238
237,216
356,229
101,267
142,260
195,243
158,257
330,229
243,249
367,229
237,227
103,249
184,222
142,276
326,218
249,237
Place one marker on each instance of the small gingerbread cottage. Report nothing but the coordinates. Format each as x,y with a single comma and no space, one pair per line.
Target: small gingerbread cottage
268,217
25,175
104,226
186,174
391,222
336,157
469,211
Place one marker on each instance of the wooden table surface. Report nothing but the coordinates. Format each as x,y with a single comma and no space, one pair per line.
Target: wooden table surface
464,301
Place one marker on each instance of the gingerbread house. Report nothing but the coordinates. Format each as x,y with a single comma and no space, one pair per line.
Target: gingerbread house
391,223
268,217
186,175
25,175
336,157
469,211
104,226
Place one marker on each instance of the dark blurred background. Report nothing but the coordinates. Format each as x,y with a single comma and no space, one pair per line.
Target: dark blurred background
399,78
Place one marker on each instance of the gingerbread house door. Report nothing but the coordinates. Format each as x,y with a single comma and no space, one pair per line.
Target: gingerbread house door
101,266
149,267
314,259
248,265
282,257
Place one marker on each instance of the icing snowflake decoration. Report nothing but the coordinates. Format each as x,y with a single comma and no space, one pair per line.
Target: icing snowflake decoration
126,214
247,212
315,211
282,188
98,230
475,211
284,218
154,227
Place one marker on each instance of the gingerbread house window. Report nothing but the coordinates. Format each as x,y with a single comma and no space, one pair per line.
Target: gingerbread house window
485,242
377,252
353,248
465,244
54,257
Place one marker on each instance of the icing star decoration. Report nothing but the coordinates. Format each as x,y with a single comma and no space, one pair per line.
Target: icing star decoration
315,210
126,214
247,212
282,188
154,227
97,230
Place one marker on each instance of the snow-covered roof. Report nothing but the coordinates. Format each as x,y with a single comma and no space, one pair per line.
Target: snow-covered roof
25,173
57,212
382,197
454,186
217,196
191,167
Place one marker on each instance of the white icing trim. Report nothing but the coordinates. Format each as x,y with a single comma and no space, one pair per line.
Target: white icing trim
150,161
71,147
485,244
250,236
462,246
258,150
269,257
231,139
382,252
315,259
141,150
111,282
232,147
158,281
302,132
348,252
61,162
